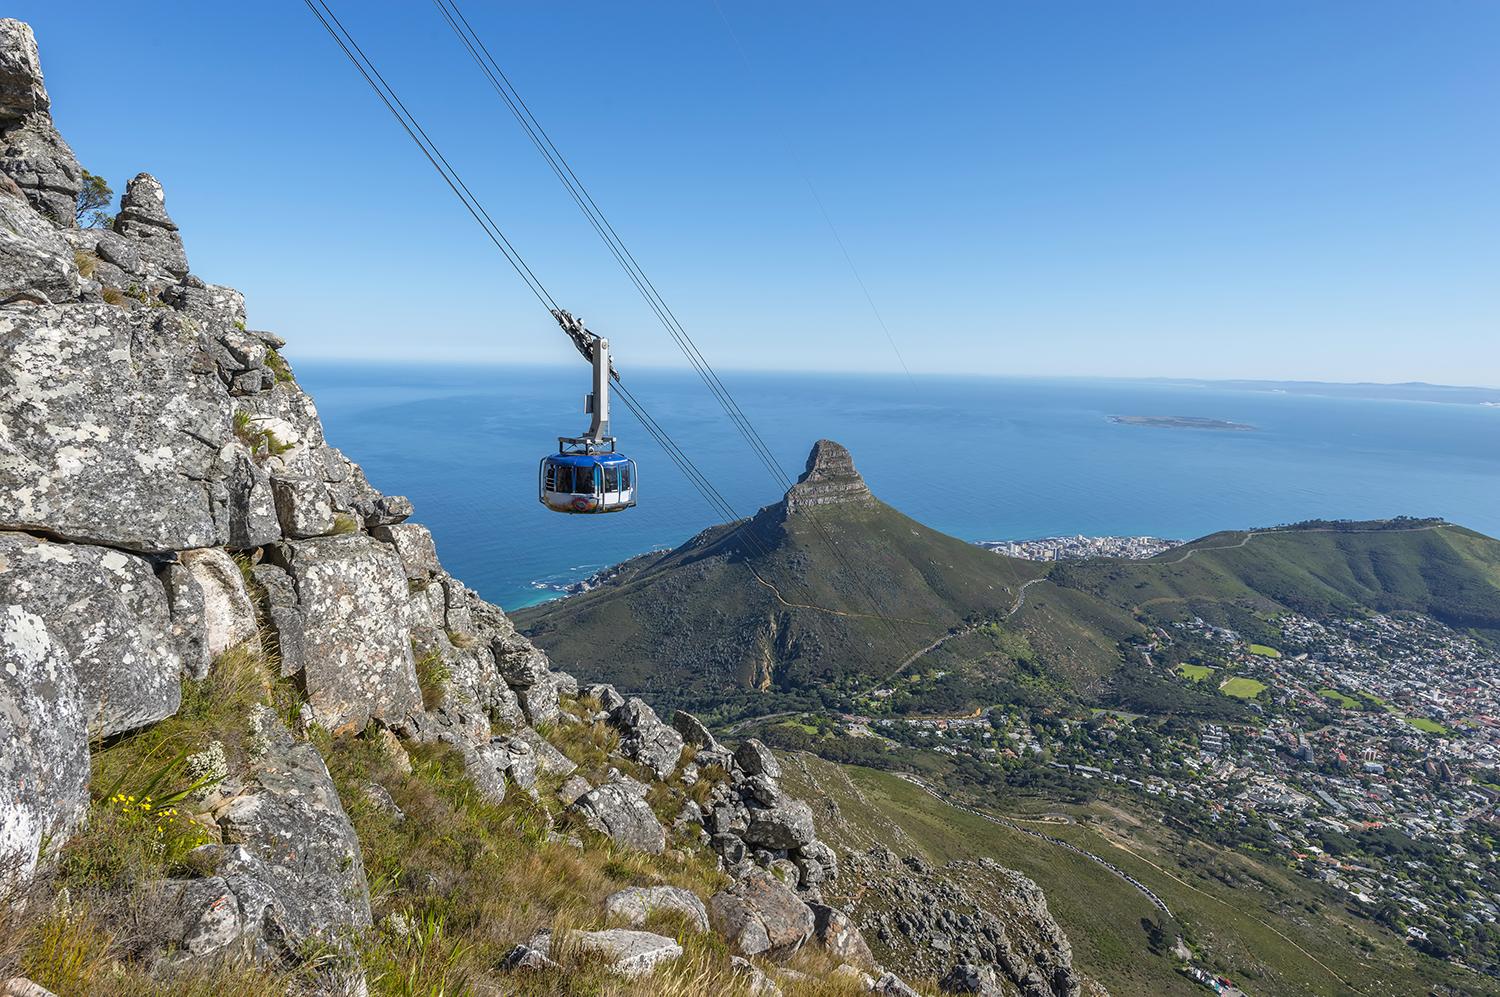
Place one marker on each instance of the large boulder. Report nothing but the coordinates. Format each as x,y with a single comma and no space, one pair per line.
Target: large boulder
756,759
228,614
290,818
788,824
618,811
414,544
237,906
695,732
355,640
760,916
645,739
549,760
629,953
44,758
108,613
636,905
36,264
302,506
841,936
111,425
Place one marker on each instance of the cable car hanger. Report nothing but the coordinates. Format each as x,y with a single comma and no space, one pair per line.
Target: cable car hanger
587,474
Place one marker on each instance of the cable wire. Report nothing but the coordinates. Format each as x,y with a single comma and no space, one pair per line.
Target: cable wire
484,59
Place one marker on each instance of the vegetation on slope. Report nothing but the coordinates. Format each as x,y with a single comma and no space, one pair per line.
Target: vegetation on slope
1267,929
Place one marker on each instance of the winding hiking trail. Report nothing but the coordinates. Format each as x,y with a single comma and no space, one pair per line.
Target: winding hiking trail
1252,534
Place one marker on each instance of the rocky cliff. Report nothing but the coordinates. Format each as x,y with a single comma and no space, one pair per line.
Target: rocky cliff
255,739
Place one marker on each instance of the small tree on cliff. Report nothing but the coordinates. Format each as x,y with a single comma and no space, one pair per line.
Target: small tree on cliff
93,197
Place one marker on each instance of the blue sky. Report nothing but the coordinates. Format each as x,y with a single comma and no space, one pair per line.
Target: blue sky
1276,189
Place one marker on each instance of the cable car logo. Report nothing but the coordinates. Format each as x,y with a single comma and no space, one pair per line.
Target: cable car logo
582,503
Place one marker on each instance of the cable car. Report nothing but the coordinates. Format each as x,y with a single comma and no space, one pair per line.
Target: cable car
587,474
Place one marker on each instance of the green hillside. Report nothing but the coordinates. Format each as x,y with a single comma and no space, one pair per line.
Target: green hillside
1270,931
1445,571
835,591
832,598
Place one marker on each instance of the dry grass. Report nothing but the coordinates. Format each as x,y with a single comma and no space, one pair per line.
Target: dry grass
86,262
92,921
454,885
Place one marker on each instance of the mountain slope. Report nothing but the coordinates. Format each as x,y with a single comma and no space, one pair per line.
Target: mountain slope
830,586
1425,566
833,594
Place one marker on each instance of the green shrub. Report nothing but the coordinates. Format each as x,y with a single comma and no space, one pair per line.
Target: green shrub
278,366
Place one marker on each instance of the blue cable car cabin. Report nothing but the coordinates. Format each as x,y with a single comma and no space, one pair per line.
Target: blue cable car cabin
586,475
586,482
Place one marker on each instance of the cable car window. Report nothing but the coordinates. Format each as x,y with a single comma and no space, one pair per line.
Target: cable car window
611,478
549,477
564,479
583,481
624,477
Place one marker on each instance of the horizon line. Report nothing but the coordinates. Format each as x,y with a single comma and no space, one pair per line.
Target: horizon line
660,368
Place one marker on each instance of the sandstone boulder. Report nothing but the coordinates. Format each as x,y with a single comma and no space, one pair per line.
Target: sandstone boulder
787,825
414,544
645,739
760,916
356,637
629,953
616,811
34,258
302,506
550,760
228,614
290,819
756,759
634,906
44,758
109,614
694,732
111,425
841,936
236,907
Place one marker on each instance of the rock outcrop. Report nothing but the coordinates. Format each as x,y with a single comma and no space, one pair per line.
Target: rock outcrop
44,760
108,614
948,920
830,479
32,153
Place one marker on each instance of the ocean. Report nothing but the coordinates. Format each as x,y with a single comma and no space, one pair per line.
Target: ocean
979,458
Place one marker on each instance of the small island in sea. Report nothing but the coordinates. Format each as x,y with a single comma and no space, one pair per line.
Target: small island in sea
1182,422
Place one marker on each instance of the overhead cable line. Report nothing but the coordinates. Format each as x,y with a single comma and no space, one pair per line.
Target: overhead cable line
480,53
507,92
424,142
